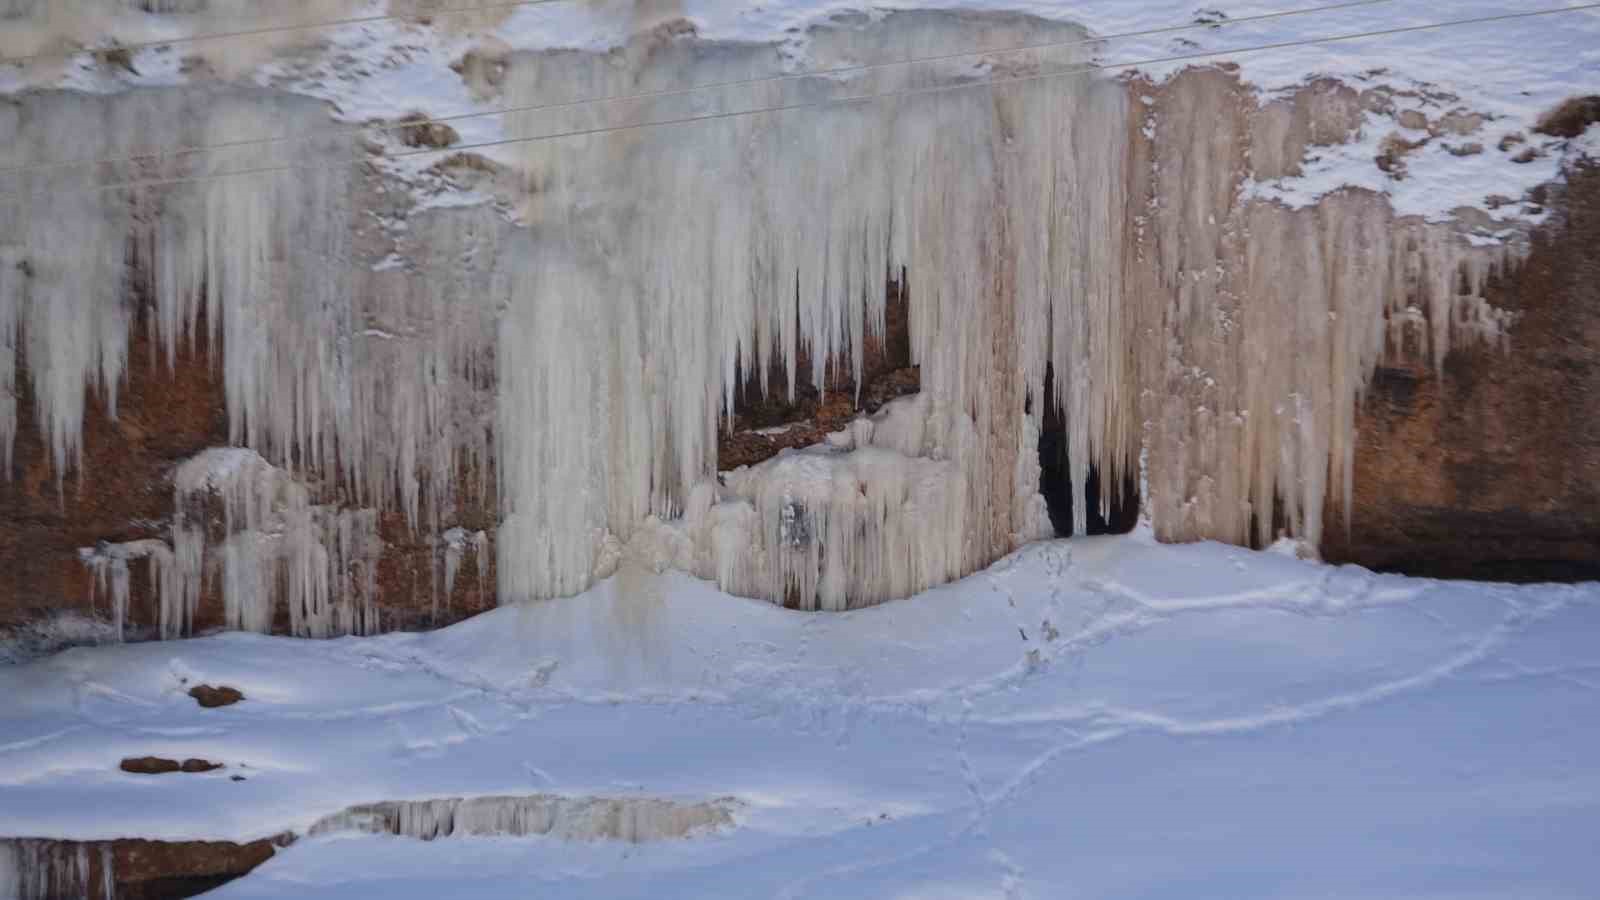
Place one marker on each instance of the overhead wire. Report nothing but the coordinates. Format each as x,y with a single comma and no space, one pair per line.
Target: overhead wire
969,85
424,121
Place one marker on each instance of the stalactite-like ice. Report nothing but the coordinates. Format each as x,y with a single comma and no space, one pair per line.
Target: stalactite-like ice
872,518
634,820
375,378
458,542
320,561
47,870
174,579
634,327
586,356
1261,325
273,549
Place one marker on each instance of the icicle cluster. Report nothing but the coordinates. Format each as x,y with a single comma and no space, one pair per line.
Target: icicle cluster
1260,325
680,257
375,377
174,579
458,542
321,561
47,870
1046,220
276,549
634,820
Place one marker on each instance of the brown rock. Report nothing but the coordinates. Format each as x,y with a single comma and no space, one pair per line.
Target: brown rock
417,130
138,869
1392,154
213,697
164,416
1572,118
1460,122
150,765
155,765
1413,119
1490,467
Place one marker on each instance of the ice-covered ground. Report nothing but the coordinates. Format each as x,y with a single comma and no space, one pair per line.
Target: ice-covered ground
1104,717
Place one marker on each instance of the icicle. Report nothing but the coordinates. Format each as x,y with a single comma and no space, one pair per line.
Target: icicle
109,565
32,869
680,257
10,870
457,543
279,549
1270,321
634,820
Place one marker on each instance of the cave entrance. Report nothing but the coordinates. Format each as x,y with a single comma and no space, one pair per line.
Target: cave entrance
1119,516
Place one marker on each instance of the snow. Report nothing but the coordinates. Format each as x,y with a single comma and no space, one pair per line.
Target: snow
1511,71
1104,717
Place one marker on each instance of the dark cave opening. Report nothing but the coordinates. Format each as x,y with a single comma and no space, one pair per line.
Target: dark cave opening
1119,516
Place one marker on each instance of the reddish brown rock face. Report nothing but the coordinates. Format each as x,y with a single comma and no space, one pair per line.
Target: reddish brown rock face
1491,469
121,492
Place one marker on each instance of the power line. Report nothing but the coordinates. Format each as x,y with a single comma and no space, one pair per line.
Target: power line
276,29
672,92
991,82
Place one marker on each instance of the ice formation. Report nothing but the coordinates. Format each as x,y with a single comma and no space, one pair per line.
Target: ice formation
46,870
176,583
635,820
583,355
320,560
1262,324
273,549
458,542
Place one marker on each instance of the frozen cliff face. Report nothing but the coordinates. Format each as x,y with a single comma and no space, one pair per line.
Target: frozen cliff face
580,327
1044,222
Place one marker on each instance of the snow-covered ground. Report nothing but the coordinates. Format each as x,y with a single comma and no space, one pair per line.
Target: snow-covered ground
1509,69
1104,717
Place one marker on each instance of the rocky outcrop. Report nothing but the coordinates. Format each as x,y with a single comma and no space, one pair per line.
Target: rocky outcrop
156,765
126,869
211,697
1489,468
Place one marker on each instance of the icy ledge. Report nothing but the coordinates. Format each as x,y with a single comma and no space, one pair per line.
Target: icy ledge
42,869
